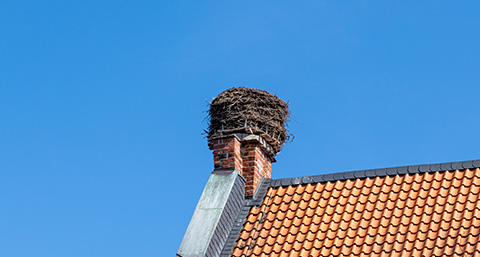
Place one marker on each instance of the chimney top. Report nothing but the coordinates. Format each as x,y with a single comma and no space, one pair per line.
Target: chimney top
249,111
247,129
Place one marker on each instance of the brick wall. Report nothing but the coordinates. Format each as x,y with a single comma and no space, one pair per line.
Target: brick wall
247,157
227,153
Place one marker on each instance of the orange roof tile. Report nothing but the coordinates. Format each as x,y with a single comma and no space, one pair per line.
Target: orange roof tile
420,214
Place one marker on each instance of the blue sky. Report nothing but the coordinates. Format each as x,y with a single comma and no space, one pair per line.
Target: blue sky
102,105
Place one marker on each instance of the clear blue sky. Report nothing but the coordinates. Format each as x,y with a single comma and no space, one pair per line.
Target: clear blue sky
102,105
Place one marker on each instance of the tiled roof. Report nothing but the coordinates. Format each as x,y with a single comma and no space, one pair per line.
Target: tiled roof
426,210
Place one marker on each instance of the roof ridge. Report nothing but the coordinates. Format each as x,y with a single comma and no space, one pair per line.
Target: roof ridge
372,173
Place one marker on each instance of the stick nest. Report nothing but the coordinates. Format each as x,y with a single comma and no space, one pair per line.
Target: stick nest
254,110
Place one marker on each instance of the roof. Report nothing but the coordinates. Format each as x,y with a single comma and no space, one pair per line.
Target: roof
423,210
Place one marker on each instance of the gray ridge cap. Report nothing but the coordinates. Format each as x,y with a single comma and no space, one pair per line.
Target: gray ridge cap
402,170
360,174
457,165
259,195
285,182
349,175
318,178
446,166
372,173
391,171
435,167
329,177
296,181
307,180
413,169
468,165
381,172
424,168
338,176
476,163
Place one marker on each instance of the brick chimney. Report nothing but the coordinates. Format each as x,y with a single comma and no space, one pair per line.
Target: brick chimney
245,132
251,155
247,129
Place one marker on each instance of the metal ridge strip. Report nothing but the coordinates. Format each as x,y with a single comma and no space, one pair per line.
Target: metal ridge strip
372,173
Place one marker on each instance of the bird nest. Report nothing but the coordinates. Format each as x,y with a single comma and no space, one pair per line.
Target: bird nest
253,110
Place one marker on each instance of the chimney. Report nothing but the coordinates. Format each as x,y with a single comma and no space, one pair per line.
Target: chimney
246,131
249,154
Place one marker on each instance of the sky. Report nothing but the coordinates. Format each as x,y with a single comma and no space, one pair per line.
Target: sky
103,105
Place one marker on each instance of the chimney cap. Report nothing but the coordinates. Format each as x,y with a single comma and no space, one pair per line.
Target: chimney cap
252,111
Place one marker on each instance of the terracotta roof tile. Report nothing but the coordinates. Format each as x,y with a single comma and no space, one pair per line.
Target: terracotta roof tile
395,213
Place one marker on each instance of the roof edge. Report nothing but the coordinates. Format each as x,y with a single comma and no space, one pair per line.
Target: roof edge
242,215
372,173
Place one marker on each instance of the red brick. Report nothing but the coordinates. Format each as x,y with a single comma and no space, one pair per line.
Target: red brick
249,159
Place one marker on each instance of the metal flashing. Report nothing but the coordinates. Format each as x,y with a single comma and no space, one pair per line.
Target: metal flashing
214,216
242,215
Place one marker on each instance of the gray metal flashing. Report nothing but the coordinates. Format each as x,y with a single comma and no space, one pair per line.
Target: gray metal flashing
215,214
256,200
231,210
371,173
